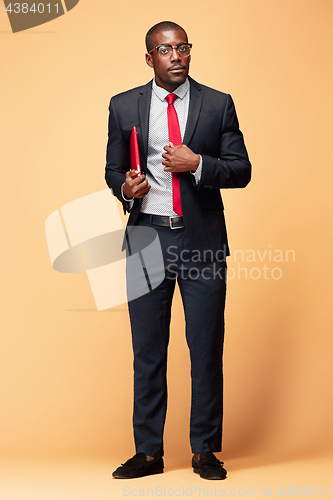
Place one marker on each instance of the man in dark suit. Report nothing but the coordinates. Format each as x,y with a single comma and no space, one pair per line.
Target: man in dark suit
178,194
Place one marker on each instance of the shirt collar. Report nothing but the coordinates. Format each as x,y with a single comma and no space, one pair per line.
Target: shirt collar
180,91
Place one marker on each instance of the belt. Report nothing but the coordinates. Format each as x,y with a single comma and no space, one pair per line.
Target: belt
161,220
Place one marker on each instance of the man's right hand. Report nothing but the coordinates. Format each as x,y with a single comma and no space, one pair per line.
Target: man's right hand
135,187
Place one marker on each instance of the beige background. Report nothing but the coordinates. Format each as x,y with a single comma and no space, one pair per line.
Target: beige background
66,369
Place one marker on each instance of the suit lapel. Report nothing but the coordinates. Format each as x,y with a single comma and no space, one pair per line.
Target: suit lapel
144,106
194,110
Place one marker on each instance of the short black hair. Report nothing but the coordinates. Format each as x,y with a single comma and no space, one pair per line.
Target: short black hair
158,28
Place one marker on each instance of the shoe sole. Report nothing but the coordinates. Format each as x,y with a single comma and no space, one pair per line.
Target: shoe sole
158,471
196,471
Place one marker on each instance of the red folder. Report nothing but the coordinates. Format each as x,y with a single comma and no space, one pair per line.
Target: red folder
135,154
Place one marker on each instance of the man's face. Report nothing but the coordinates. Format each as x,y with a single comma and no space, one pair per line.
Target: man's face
170,71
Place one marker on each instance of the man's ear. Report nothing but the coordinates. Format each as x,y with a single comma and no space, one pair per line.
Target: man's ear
149,60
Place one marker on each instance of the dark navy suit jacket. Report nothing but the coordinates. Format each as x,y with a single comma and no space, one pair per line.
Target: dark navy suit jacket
212,131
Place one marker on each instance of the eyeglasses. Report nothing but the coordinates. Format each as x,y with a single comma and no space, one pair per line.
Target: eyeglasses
165,50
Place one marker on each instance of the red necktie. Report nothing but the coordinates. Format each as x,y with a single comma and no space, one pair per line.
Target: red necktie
176,139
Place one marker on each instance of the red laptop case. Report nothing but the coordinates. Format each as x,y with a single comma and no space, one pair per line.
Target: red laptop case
135,154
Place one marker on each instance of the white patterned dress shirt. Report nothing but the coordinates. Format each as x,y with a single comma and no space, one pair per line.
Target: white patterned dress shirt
158,200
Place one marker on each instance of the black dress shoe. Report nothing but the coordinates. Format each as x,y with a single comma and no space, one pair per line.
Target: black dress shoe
138,466
208,466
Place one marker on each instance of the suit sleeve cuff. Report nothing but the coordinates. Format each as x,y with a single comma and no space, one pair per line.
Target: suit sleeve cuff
197,172
130,201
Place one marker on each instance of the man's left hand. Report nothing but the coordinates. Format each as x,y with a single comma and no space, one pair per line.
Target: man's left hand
179,159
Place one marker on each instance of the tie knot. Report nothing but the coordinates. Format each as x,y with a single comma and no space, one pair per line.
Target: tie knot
170,98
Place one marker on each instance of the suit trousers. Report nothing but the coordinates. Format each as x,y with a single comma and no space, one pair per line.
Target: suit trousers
203,287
